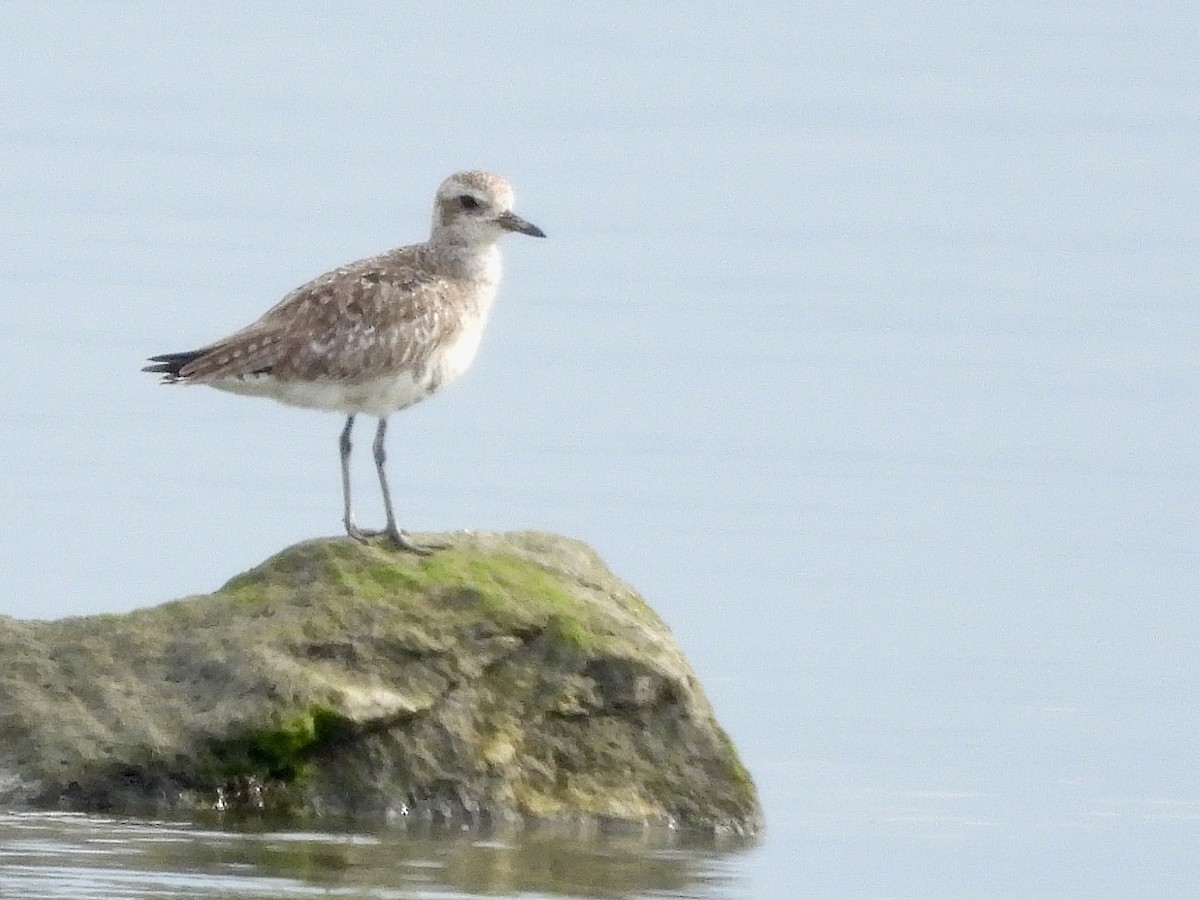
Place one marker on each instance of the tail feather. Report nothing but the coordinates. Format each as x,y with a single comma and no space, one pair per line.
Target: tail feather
169,365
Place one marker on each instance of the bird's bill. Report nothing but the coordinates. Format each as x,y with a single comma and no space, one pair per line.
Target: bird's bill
513,222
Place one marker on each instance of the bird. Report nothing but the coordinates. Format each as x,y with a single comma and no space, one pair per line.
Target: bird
374,336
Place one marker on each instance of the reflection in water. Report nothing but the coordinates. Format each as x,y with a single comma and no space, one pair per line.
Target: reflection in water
51,855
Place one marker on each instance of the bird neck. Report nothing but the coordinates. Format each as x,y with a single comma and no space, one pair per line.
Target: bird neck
470,261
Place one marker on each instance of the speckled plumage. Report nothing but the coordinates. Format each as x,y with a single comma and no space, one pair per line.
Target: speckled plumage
376,335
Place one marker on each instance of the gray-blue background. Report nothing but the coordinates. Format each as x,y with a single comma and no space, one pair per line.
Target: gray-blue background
864,345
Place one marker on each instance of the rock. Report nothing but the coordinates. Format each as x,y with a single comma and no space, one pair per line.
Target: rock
508,678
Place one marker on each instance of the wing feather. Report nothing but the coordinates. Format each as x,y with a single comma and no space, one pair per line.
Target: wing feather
359,322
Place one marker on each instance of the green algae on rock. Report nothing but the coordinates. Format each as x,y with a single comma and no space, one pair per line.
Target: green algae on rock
508,678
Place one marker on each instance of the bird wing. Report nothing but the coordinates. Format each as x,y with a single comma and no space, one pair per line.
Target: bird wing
358,322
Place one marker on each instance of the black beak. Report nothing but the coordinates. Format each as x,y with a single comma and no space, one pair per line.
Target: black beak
513,222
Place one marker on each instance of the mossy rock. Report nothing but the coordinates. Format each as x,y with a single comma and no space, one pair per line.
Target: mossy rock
506,678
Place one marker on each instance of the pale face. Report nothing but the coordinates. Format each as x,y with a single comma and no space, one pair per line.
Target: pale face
476,208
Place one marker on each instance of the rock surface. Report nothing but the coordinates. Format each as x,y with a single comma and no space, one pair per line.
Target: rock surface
508,678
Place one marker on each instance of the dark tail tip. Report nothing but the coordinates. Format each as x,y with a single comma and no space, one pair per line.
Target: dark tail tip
170,364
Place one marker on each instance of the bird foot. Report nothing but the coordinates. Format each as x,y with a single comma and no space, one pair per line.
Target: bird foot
402,541
362,535
395,536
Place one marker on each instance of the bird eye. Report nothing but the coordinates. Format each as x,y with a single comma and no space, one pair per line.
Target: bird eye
468,202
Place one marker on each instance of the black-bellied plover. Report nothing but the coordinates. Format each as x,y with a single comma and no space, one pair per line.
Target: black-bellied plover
377,335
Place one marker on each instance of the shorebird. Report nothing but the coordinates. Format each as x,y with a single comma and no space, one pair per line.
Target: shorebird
377,335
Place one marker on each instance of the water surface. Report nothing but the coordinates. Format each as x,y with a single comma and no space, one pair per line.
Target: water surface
49,856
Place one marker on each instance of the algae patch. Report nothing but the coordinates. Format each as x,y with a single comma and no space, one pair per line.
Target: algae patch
280,752
513,591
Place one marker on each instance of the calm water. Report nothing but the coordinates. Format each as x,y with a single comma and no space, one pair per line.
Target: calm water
56,857
864,345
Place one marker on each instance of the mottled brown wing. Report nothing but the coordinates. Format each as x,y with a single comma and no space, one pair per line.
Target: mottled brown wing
359,322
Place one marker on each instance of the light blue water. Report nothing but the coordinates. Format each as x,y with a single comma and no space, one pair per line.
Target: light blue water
864,345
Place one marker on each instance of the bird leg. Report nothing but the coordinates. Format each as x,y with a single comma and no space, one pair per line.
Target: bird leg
391,530
359,534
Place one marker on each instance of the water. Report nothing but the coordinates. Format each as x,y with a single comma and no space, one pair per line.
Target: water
56,857
863,344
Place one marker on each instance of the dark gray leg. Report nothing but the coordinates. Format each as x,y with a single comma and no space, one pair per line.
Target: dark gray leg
398,537
353,530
